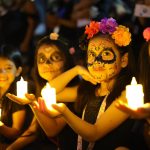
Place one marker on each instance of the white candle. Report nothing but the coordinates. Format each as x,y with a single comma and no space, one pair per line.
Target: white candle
22,88
49,95
134,94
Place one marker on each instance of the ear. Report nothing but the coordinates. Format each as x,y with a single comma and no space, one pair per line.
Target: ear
19,70
124,60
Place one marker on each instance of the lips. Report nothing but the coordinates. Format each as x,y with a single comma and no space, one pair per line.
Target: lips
98,69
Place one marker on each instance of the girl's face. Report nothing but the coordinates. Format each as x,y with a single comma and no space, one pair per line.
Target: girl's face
104,60
8,72
50,62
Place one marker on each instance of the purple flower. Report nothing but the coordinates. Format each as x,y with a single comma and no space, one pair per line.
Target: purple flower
108,25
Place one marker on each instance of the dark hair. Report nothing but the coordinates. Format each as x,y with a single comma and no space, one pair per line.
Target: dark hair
144,70
86,90
11,53
63,46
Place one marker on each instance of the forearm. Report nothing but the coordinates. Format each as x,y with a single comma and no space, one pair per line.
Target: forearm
50,126
60,82
9,132
22,141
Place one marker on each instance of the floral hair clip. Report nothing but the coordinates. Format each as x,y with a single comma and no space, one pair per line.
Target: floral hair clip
119,33
72,50
54,36
146,34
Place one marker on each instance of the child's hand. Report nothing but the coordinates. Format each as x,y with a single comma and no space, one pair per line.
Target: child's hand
22,101
84,73
139,113
1,123
41,106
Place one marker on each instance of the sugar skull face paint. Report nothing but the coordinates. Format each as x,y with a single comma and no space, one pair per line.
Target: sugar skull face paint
104,60
50,62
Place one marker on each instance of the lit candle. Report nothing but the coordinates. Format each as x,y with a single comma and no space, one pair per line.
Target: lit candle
49,95
22,88
134,94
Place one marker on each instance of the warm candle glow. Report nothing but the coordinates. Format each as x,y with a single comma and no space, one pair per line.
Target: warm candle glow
49,95
21,88
134,94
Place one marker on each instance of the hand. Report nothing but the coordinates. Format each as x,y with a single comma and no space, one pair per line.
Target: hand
139,113
41,106
84,73
1,123
22,101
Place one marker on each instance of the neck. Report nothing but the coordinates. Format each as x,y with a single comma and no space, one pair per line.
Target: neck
105,87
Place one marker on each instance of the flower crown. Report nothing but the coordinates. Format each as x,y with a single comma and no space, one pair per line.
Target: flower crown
146,34
119,33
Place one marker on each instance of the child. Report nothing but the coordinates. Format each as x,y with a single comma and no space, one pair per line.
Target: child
10,69
102,126
51,59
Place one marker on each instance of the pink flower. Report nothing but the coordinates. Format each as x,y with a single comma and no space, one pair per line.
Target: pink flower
146,34
72,50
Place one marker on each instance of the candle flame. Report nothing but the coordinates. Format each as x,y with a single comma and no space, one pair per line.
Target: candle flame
21,79
133,82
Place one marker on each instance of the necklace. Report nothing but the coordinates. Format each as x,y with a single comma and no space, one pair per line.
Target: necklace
101,111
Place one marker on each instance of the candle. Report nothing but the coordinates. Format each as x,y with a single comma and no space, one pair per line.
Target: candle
49,95
21,88
134,94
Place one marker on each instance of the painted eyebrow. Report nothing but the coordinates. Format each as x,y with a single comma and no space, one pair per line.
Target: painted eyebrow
108,48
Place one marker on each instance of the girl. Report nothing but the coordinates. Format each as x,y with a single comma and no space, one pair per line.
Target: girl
102,125
10,69
52,58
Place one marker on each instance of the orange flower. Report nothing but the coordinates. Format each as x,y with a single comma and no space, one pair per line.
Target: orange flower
92,29
122,36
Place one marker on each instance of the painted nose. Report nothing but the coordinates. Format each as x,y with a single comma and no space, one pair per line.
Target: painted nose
48,61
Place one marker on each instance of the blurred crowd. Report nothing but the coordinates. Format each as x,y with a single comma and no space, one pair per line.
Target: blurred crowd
23,22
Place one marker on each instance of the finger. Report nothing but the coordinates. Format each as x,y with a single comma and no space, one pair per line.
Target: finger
40,105
14,98
58,107
31,97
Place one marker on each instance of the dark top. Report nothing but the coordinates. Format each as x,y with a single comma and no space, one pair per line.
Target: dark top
67,138
124,135
9,107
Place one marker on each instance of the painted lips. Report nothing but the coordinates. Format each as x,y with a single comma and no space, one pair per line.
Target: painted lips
98,69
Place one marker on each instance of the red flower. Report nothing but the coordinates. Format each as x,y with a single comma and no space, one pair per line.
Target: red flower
146,34
92,29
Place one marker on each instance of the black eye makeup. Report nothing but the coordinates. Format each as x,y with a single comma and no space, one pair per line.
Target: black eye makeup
54,57
106,56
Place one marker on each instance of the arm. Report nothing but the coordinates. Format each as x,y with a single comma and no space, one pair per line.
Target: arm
51,126
26,138
60,82
14,131
69,94
105,124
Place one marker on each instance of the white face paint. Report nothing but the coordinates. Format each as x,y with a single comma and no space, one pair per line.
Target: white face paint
104,61
50,62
